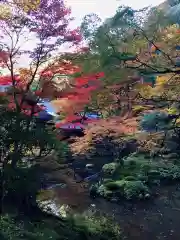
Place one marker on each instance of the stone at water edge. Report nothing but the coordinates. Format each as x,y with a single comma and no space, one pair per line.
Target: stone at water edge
51,207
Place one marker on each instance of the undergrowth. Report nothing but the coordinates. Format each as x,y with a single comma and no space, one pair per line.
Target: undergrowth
135,176
74,228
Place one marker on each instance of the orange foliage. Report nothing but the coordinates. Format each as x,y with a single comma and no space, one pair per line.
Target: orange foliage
113,128
68,98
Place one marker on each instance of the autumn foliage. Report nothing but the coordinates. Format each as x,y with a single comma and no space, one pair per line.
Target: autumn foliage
67,99
48,76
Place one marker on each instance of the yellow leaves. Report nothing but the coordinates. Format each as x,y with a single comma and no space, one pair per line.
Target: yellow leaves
25,73
167,86
138,109
160,86
161,80
171,36
172,110
178,122
28,5
144,90
5,11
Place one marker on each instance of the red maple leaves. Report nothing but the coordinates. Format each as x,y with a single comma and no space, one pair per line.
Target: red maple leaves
7,80
76,98
67,101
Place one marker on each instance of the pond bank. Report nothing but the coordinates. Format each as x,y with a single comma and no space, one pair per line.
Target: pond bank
144,220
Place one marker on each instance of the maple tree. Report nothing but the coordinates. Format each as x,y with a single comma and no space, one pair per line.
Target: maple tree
46,76
47,21
133,48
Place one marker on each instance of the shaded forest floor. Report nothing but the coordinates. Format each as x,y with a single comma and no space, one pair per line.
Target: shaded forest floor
156,218
147,220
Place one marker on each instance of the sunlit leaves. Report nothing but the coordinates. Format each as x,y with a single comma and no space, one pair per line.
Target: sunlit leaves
27,5
5,11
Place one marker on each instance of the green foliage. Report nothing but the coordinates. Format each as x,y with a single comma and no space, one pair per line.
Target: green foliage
104,192
21,186
96,227
133,189
130,178
172,111
171,172
136,176
112,186
90,25
109,169
138,109
75,228
62,150
9,229
155,121
173,12
149,170
22,135
129,189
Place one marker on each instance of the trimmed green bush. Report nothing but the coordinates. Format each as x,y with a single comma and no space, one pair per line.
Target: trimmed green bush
113,186
130,178
109,169
133,189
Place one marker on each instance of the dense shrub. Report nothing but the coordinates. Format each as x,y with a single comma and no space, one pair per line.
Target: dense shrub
96,227
104,192
149,169
170,171
133,189
74,228
112,186
21,186
109,169
104,142
135,178
155,121
129,189
130,178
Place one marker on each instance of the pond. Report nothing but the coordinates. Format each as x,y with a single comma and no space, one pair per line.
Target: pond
145,220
